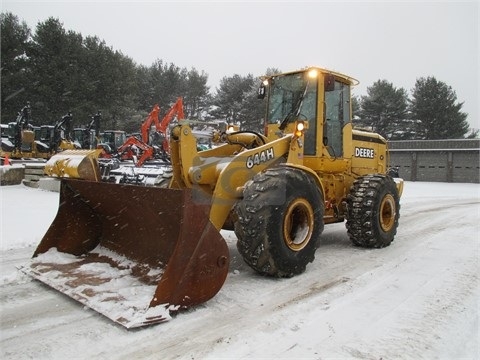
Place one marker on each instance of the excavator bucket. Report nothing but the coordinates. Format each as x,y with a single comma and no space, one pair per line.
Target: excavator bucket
135,254
79,164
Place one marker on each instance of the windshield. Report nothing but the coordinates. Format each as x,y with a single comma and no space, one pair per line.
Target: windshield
292,97
45,133
120,139
11,131
106,138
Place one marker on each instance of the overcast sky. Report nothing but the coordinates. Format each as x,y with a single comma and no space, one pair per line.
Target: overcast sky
396,41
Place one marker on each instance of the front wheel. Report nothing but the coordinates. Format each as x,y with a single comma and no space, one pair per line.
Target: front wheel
373,211
279,221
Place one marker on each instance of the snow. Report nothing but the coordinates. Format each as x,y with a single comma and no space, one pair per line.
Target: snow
416,299
110,290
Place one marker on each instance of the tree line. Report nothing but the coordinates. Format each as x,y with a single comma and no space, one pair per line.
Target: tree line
59,71
432,112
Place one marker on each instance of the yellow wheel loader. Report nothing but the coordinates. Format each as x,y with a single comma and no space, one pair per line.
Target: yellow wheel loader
21,140
136,254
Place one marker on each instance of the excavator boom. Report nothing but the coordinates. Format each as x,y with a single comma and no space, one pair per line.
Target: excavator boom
152,118
176,109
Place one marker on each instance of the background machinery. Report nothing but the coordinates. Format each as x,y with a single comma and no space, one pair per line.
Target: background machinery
22,139
110,141
161,134
87,137
58,137
137,254
140,150
152,145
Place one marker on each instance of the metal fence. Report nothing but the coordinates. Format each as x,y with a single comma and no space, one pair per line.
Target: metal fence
437,160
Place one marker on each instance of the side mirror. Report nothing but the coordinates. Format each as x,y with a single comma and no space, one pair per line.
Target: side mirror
261,92
222,127
329,82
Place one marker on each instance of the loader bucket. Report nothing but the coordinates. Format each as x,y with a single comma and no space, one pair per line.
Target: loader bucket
132,253
78,164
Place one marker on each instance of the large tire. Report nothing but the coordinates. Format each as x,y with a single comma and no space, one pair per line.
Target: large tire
279,221
373,211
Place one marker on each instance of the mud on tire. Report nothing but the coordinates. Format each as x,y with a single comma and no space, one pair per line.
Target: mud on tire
373,211
279,221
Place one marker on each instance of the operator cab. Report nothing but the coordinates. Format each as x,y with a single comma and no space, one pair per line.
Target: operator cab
317,96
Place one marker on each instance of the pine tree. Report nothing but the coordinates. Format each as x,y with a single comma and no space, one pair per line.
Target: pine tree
237,103
384,110
434,105
14,47
195,95
54,70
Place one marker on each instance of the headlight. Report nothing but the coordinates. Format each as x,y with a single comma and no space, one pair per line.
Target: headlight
312,73
299,128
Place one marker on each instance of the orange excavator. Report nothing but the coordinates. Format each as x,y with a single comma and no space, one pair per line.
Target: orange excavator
134,147
144,149
137,150
161,127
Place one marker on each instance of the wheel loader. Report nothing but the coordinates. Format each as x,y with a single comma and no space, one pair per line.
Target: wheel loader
22,138
139,254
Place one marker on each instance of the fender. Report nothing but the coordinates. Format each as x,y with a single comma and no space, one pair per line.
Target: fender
311,172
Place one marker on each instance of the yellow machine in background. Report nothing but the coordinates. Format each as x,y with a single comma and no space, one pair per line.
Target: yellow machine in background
22,140
25,141
76,164
276,190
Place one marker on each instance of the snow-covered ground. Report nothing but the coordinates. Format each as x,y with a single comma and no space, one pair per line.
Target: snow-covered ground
417,299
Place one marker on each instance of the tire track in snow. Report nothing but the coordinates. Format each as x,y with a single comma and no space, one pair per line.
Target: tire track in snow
333,299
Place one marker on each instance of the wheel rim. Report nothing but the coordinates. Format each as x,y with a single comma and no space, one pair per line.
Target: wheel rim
387,213
298,224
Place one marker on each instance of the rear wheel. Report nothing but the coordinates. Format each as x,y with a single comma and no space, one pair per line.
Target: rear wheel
373,211
279,221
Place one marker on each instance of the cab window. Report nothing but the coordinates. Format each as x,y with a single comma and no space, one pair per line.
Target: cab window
337,115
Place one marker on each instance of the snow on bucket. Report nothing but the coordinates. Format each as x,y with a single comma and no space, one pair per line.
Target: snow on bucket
129,252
